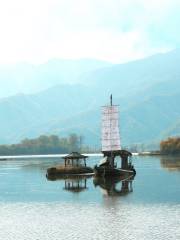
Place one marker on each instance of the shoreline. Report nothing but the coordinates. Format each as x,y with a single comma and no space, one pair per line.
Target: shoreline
152,153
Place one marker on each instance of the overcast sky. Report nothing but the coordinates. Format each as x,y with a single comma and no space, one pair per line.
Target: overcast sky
113,30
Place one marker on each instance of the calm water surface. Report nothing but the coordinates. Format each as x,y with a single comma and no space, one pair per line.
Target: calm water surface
146,207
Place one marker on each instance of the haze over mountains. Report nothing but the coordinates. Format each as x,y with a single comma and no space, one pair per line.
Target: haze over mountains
147,90
28,78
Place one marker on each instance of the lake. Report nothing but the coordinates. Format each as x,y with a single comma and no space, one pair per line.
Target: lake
33,207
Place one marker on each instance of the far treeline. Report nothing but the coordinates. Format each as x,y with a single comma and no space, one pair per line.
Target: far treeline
45,145
170,146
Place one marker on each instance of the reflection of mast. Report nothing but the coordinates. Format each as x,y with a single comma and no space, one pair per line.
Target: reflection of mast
126,186
112,187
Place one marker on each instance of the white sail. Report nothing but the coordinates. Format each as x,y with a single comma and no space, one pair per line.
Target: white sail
110,129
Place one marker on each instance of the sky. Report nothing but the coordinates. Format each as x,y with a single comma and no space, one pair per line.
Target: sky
118,31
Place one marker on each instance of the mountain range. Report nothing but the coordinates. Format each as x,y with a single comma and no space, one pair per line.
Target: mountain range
27,78
147,92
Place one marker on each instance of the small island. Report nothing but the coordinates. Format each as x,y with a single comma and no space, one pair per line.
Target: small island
45,144
74,164
170,146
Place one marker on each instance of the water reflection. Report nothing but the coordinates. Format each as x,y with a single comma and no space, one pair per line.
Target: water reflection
75,185
157,181
110,186
170,163
114,186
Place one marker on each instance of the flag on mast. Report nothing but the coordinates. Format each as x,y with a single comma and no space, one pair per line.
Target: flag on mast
110,128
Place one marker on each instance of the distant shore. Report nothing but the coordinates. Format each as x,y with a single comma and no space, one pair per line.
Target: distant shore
150,153
147,153
45,156
157,153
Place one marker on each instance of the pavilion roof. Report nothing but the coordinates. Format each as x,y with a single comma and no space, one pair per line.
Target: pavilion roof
75,155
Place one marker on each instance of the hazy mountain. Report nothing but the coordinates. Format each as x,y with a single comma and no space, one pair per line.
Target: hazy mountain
129,78
27,78
148,92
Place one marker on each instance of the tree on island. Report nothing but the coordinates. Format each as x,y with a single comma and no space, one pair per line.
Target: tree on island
44,145
170,146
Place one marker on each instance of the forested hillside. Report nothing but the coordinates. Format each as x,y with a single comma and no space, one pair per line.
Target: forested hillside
147,91
170,146
51,144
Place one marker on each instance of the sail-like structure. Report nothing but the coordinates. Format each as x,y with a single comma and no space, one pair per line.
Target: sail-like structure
110,129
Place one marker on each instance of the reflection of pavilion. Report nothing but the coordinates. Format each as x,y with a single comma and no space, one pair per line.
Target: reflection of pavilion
114,186
75,185
72,183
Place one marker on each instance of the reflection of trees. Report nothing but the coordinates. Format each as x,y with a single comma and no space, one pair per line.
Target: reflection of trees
171,163
114,186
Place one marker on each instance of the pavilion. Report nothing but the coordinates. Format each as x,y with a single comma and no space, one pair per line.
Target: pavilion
74,164
75,159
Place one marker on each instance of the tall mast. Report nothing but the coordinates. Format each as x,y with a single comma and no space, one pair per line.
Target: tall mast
110,128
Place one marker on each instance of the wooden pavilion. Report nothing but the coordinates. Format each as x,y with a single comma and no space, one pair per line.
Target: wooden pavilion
75,159
74,164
